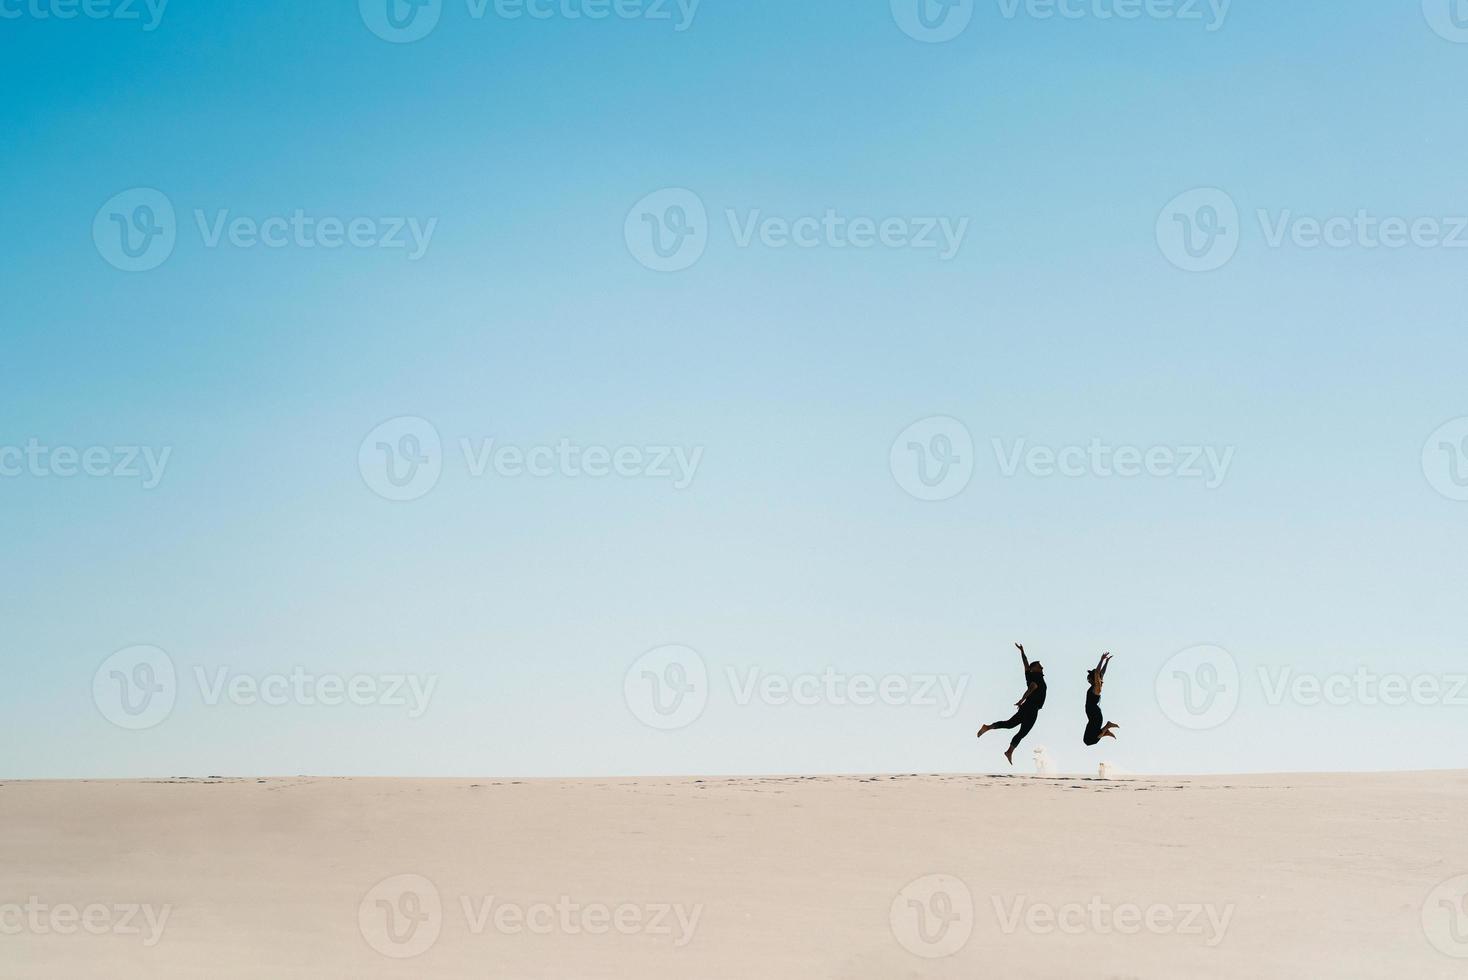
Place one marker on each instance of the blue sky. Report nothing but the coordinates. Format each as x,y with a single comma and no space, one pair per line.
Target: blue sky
528,319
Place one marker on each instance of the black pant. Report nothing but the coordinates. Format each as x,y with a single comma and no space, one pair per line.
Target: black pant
1093,724
1024,719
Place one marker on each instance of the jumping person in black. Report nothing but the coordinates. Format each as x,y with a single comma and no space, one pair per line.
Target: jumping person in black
1095,731
1029,706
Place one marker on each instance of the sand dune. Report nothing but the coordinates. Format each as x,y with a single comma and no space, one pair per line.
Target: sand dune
879,876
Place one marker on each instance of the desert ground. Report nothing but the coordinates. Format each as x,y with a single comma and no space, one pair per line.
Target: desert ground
785,876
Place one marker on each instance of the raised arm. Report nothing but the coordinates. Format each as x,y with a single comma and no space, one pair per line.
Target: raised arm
1022,657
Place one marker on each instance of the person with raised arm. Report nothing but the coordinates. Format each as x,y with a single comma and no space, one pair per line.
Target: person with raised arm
1095,677
1028,707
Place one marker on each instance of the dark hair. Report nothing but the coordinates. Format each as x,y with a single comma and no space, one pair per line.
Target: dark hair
1034,668
1091,675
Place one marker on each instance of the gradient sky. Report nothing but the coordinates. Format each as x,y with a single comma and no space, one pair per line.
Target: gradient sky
1325,550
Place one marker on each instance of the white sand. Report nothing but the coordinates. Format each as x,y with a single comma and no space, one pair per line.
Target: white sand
1277,876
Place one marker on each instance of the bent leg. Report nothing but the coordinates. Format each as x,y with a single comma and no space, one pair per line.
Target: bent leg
1026,724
